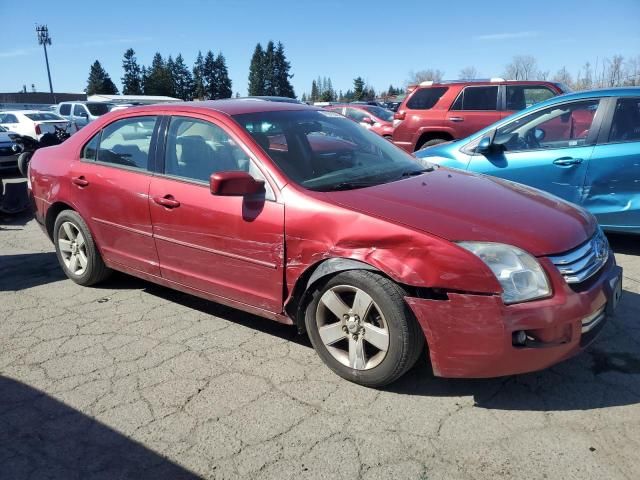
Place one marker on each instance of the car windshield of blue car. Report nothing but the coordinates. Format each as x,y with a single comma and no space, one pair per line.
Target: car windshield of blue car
322,150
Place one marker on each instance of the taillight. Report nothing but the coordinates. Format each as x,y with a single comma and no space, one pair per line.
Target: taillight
38,130
399,115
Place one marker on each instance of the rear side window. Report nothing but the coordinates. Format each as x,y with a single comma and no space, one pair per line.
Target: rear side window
98,109
65,109
425,98
127,142
477,98
8,118
625,126
520,97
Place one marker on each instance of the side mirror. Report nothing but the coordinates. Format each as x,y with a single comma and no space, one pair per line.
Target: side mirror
236,183
484,146
367,120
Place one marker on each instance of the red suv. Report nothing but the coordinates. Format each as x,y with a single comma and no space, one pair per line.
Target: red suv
299,215
433,113
379,120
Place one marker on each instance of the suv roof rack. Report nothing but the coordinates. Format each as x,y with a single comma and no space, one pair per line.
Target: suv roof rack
428,83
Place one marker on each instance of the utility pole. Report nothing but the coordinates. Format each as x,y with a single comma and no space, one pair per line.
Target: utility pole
44,39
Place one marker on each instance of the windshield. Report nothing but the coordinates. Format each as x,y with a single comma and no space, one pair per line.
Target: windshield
97,109
381,113
322,150
2,129
43,116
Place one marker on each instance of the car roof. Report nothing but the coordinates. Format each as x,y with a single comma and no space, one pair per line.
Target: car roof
22,112
229,106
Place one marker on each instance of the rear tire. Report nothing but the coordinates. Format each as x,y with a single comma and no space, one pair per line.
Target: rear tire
76,250
432,142
362,329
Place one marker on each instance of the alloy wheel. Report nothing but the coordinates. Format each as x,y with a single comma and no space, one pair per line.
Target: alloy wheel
73,248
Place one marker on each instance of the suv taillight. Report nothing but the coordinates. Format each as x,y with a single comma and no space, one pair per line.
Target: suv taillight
399,115
38,130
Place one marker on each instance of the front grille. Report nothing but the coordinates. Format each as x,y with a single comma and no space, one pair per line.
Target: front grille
583,262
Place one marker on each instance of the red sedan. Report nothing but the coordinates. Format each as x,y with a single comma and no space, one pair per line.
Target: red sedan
379,120
299,215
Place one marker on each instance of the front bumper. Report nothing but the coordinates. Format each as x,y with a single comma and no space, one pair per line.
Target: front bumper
471,336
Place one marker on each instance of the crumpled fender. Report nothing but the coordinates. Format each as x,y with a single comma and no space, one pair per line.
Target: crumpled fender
316,230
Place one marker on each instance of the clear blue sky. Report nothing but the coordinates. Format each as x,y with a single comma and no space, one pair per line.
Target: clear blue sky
380,40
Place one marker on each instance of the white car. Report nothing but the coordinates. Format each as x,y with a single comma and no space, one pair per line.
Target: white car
33,123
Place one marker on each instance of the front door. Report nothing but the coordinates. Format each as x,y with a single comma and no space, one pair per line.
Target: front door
111,181
612,190
226,246
474,109
548,149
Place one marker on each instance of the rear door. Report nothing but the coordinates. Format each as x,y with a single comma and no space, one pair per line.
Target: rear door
612,190
474,108
548,149
227,246
79,115
519,97
10,122
111,190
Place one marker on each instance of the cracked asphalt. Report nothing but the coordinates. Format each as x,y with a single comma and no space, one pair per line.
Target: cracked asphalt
132,380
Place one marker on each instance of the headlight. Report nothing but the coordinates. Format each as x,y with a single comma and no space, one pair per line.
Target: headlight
519,274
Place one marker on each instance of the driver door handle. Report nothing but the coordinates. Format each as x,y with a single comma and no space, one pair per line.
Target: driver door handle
167,201
567,161
456,119
80,181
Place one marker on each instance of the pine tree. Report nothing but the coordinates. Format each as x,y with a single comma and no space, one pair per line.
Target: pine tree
270,82
304,98
170,68
182,79
315,94
256,72
199,90
132,79
223,89
209,75
144,77
99,81
358,88
158,78
281,66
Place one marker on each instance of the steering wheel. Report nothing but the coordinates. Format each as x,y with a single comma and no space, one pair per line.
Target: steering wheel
530,139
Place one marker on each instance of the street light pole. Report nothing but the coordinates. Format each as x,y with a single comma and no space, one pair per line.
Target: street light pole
44,39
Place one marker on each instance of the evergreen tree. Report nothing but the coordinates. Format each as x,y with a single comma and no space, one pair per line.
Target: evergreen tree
256,72
304,98
270,82
209,75
99,81
281,74
182,79
158,78
327,95
132,79
358,89
170,69
199,90
223,88
144,76
315,93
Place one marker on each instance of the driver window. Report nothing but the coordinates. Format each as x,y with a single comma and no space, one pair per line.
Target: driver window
560,126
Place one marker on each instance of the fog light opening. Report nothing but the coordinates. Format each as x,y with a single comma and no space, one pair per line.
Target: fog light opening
519,338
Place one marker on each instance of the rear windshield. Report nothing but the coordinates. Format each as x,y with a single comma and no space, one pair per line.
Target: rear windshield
98,109
43,116
425,98
381,113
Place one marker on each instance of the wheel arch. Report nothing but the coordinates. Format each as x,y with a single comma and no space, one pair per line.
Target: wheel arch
317,272
52,213
427,135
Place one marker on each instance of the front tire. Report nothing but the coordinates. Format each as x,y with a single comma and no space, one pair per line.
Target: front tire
76,250
23,163
362,329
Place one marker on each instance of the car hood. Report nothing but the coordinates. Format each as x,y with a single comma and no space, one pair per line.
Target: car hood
458,205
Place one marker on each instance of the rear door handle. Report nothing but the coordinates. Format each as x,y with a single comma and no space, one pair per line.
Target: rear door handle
567,161
167,201
80,181
456,119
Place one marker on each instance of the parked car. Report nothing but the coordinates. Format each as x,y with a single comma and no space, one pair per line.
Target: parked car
9,151
379,120
81,113
370,252
33,123
583,147
433,113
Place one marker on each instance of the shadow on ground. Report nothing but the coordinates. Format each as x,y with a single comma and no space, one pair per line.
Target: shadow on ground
26,270
625,244
41,437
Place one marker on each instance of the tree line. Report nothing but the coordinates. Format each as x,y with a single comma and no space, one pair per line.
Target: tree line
208,79
322,91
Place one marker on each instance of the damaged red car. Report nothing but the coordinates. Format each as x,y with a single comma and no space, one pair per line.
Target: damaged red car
299,215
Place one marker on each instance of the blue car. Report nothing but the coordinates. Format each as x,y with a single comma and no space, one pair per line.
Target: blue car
583,147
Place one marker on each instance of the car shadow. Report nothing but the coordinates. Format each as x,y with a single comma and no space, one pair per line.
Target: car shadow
625,244
41,437
10,221
26,270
